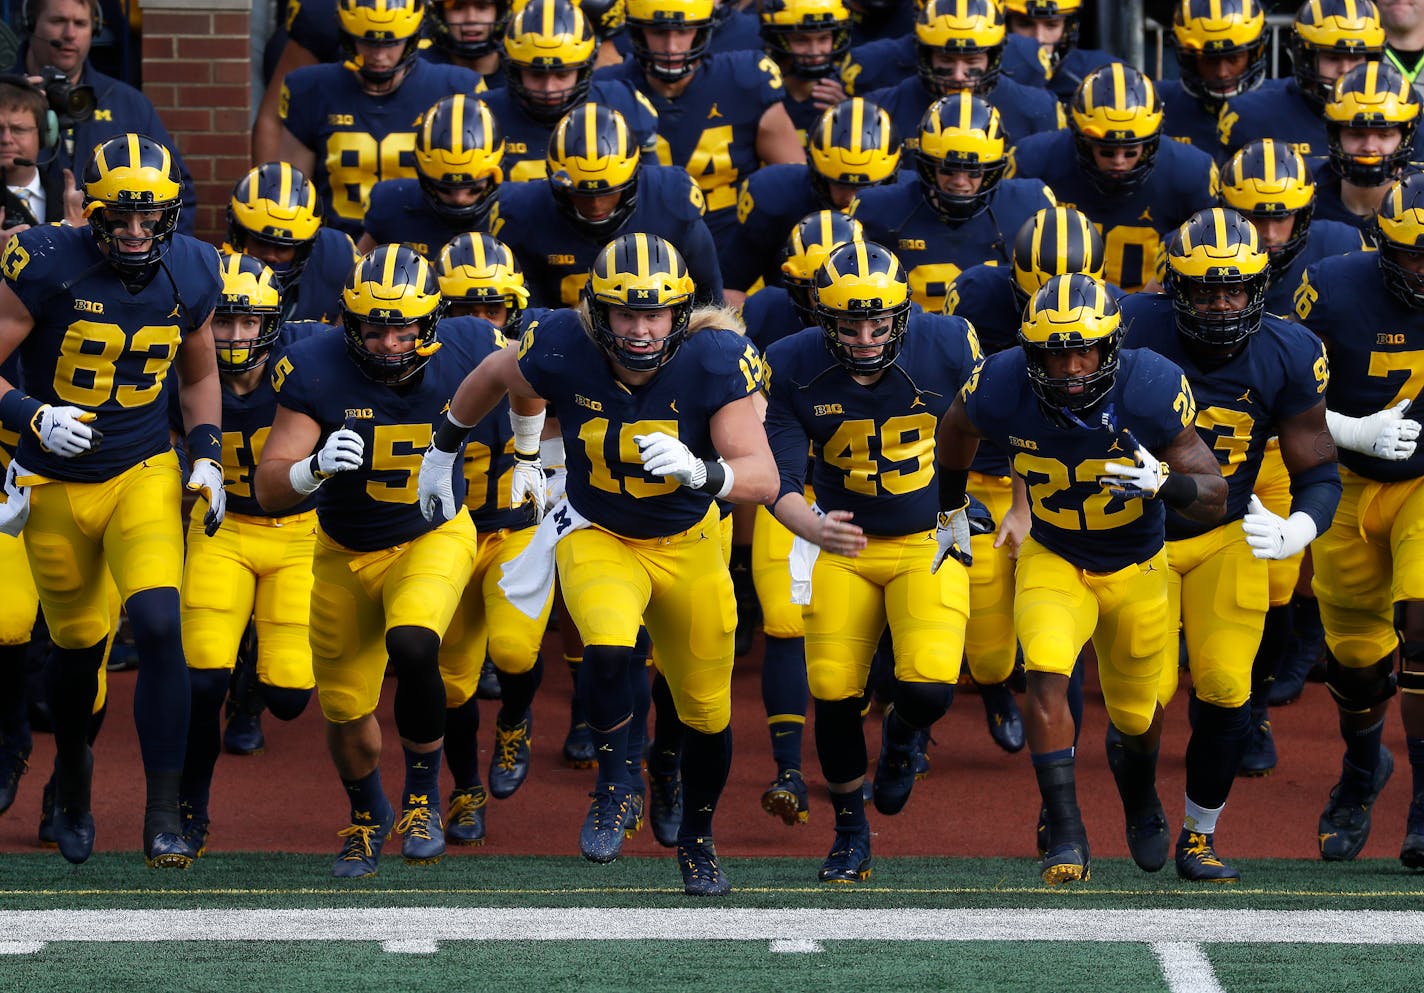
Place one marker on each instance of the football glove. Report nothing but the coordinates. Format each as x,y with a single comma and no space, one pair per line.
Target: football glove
1386,434
343,451
1272,536
1142,479
206,479
529,483
16,509
952,538
435,487
66,431
664,455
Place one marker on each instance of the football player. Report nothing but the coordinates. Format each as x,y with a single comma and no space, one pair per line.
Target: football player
1371,120
350,125
1328,38
875,501
1080,418
259,565
459,156
1058,62
549,52
720,114
1269,183
959,47
468,33
1221,51
851,148
352,408
1112,164
597,187
658,412
1255,376
808,40
1369,579
274,216
962,211
103,379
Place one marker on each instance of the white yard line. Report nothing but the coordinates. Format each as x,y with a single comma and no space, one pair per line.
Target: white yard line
1186,967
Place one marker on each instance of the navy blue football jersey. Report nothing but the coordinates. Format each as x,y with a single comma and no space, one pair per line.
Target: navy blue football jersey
436,55
1023,110
894,20
773,200
313,24
317,294
557,256
1275,109
360,139
934,252
246,422
1329,204
1184,119
599,417
1374,341
735,30
879,64
1280,372
1024,61
770,316
1182,181
873,447
710,129
526,140
96,346
401,213
1074,515
1326,238
376,506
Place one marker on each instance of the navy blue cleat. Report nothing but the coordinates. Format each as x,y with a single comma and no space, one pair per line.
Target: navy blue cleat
46,830
1260,758
601,838
787,798
665,806
243,734
894,773
849,858
14,763
466,824
488,687
509,765
167,850
422,835
74,833
702,874
195,827
365,837
1345,822
1147,838
1005,720
1066,863
1411,853
1197,861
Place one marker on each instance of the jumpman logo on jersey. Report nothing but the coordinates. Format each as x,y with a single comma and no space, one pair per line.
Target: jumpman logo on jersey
176,308
1115,446
916,402
714,112
1146,215
1244,397
672,404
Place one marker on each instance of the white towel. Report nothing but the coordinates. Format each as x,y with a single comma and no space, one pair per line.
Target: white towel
802,562
528,578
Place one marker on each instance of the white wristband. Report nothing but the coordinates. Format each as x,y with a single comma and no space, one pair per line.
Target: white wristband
302,478
551,452
728,482
1350,432
526,431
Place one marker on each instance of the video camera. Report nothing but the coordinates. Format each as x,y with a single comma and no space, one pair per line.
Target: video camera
72,103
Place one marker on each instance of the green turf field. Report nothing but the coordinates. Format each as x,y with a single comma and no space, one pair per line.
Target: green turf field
278,922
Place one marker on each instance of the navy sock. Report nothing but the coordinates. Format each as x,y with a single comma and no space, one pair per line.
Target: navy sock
1416,762
849,809
368,798
784,694
422,778
640,690
1214,751
1362,746
161,693
603,688
1058,788
208,687
462,750
14,674
516,692
72,683
668,729
706,760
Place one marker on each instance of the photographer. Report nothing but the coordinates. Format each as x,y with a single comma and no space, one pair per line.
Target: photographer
28,196
59,35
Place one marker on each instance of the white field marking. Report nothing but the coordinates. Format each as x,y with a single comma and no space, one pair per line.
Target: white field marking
796,946
1186,967
437,924
420,946
20,947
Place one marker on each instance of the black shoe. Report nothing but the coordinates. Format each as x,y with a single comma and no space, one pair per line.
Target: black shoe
894,773
509,765
1147,838
1345,826
1001,710
849,859
243,734
488,687
702,874
1259,759
1197,861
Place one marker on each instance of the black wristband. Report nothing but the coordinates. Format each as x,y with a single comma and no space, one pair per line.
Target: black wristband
952,484
716,476
205,442
449,436
1178,490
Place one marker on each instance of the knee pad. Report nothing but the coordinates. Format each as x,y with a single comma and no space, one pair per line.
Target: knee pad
1359,690
285,704
420,692
411,645
603,686
208,687
921,704
1411,667
840,741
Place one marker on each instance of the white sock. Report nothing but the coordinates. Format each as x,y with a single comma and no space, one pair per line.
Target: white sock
1202,820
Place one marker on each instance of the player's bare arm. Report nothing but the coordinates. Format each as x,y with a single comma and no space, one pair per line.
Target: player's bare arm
1189,456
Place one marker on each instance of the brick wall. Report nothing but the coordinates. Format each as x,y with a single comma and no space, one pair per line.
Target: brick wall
197,71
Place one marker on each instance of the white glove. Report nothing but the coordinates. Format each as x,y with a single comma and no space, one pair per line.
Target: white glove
206,479
435,486
558,484
16,509
529,483
66,431
664,455
952,538
1272,536
1387,434
1141,480
344,450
